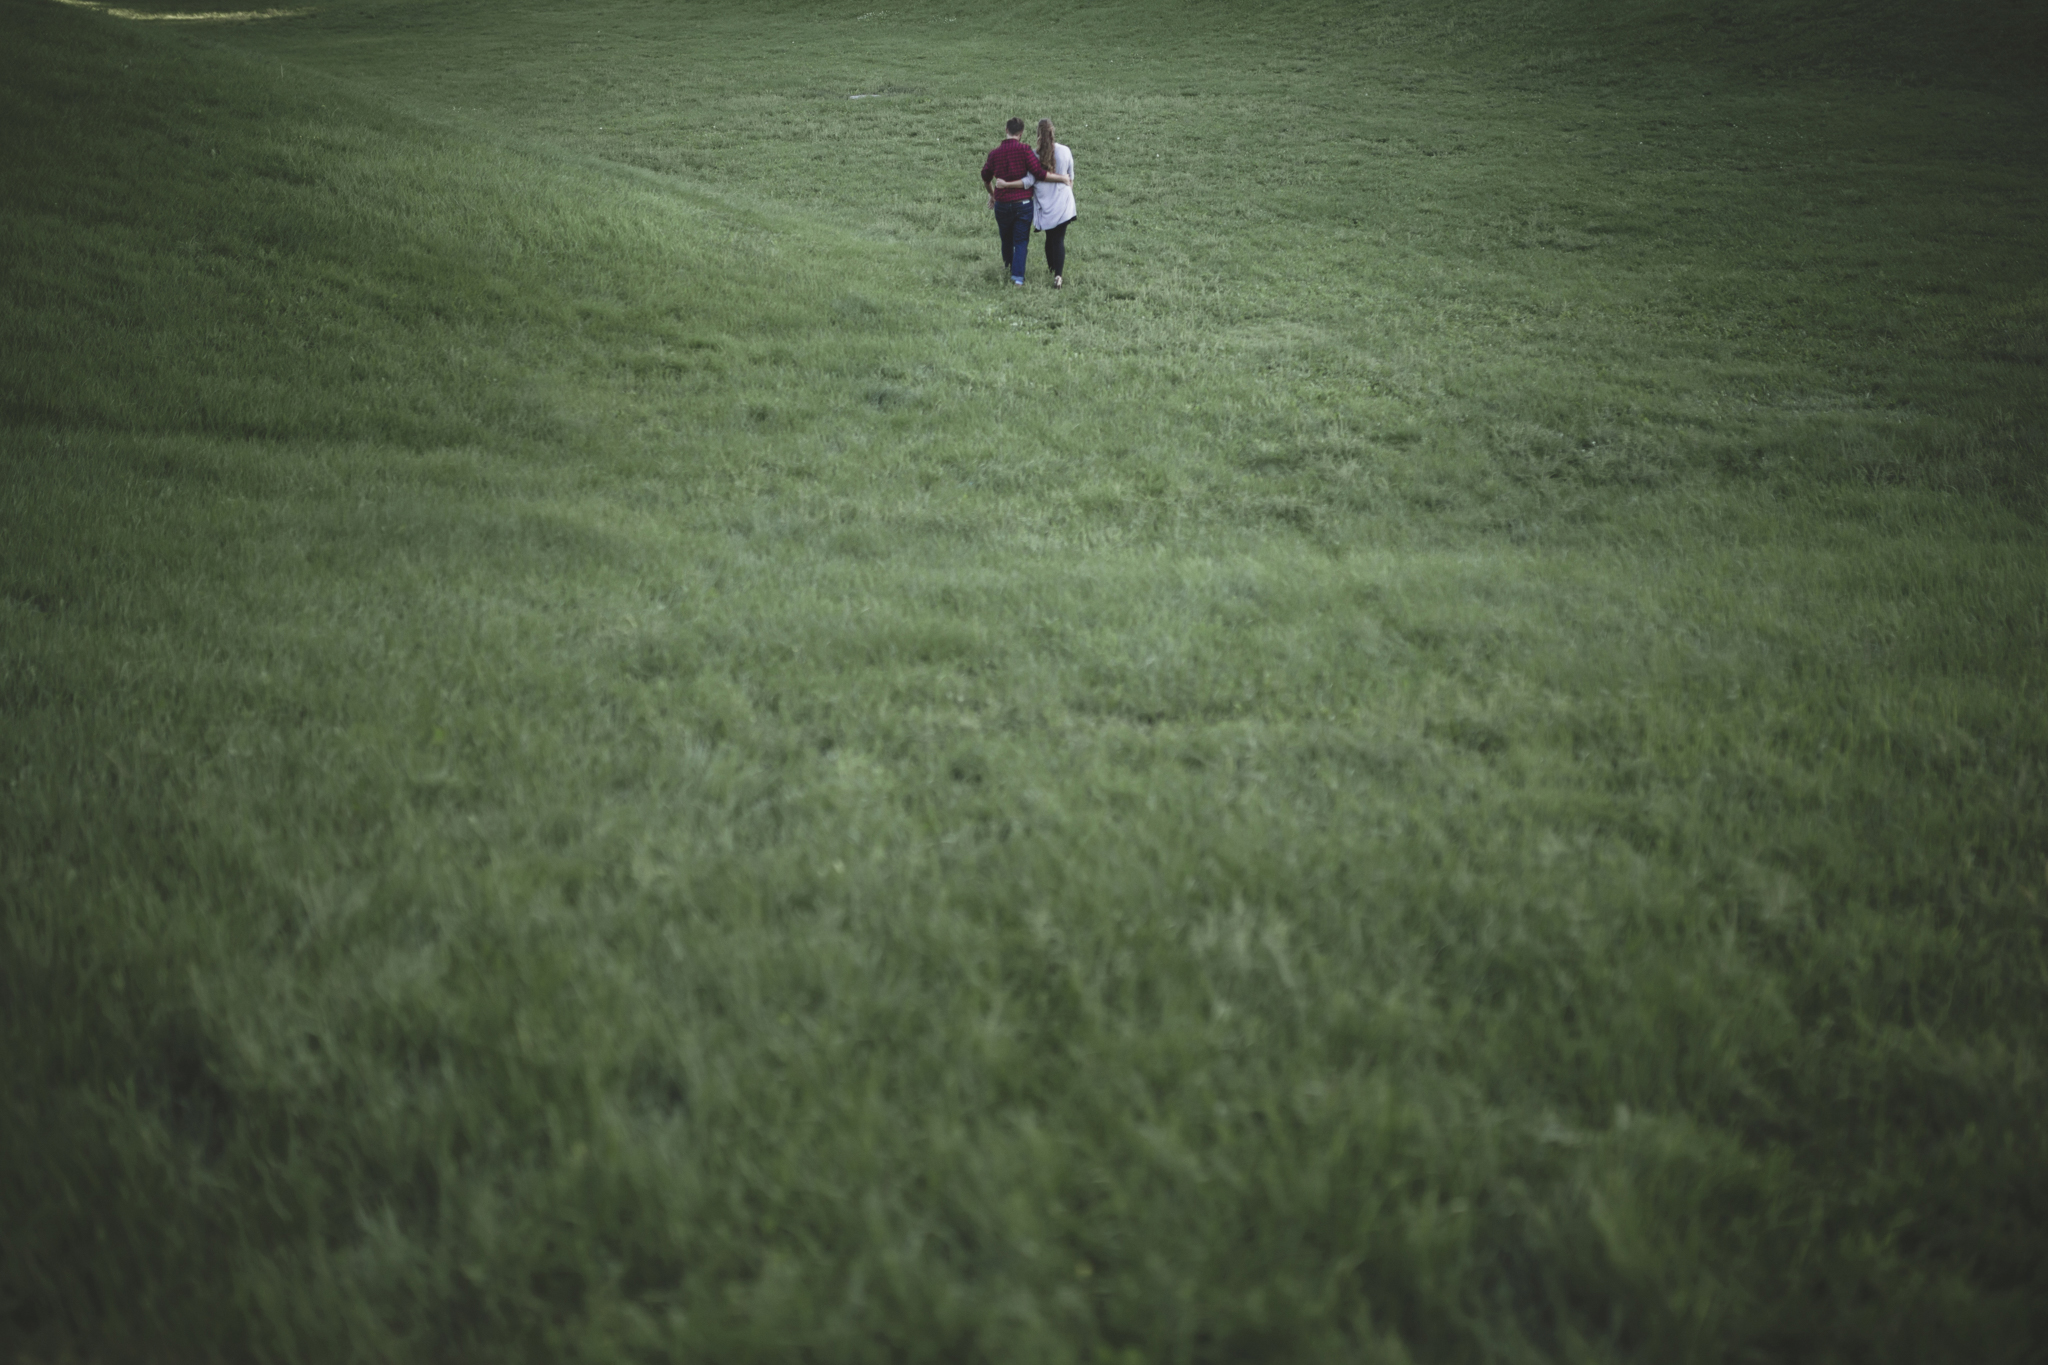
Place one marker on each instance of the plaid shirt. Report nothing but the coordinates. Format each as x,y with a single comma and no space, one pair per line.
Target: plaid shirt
1009,161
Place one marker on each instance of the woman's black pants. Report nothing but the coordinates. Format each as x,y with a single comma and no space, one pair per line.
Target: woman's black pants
1056,247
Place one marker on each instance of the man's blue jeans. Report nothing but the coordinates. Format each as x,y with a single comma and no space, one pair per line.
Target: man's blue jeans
1014,222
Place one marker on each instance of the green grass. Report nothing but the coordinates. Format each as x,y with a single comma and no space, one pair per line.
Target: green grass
610,749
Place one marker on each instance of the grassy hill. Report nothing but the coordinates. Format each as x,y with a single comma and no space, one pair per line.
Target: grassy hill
610,748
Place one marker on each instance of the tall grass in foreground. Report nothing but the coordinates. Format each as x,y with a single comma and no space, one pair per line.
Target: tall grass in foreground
598,758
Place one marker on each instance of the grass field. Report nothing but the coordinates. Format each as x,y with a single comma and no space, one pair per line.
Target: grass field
611,749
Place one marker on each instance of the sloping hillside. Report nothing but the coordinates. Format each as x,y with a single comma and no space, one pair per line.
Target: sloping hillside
611,747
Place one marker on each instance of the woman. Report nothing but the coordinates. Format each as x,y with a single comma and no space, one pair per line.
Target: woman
1053,200
1052,195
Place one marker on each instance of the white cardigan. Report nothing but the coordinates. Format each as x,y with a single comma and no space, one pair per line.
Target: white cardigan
1051,204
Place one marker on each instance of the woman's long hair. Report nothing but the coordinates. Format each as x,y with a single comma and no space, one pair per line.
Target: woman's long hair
1045,143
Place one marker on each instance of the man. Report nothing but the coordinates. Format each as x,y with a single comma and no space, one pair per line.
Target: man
1011,161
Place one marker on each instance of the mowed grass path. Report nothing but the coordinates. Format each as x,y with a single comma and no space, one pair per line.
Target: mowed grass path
609,749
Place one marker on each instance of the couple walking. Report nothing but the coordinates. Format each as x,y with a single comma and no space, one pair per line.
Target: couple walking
1031,188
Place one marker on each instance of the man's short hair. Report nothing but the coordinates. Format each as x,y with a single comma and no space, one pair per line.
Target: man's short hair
1014,127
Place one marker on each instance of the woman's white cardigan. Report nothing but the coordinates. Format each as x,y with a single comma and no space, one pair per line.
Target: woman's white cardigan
1052,204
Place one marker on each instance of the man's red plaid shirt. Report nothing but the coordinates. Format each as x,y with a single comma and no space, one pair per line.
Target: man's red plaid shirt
1009,161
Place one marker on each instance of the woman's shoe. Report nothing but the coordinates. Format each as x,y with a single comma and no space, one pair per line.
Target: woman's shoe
1057,282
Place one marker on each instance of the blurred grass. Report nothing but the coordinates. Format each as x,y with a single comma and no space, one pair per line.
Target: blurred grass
610,751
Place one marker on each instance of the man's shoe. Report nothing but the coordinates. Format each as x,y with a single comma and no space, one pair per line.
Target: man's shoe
1016,279
1057,282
